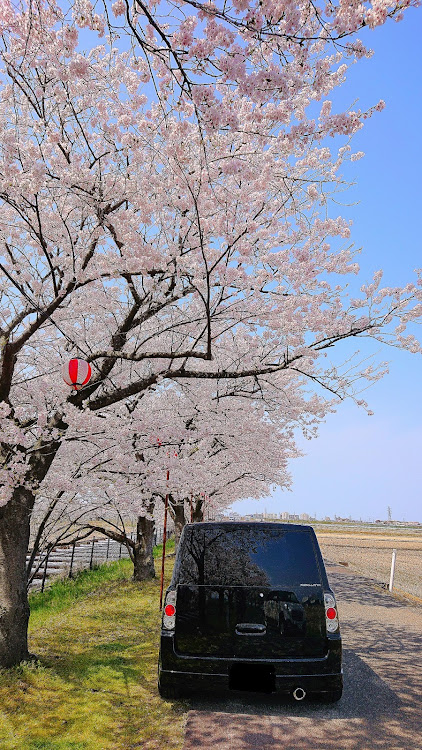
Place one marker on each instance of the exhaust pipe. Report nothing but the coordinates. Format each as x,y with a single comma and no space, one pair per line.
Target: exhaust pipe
299,694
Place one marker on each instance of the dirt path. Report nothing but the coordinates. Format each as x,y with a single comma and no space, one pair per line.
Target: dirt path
381,708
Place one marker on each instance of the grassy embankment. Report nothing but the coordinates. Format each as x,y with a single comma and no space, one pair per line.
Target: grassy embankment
94,686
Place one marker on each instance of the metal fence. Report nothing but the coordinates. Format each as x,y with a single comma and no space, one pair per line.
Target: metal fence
65,561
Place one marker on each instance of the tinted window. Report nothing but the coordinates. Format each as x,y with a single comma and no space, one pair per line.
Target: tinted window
247,557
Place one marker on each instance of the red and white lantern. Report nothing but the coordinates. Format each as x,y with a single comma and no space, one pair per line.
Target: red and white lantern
77,373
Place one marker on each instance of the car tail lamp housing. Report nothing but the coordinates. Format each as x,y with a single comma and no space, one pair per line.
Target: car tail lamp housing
169,611
331,616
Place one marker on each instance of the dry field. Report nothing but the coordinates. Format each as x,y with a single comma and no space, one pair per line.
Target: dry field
370,554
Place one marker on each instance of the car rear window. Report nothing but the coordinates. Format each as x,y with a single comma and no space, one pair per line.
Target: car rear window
247,557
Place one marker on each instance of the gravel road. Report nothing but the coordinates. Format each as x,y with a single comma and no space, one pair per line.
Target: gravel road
381,708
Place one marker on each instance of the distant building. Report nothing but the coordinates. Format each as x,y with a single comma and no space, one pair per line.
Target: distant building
231,517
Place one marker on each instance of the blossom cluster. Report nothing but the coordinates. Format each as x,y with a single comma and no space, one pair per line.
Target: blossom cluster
185,240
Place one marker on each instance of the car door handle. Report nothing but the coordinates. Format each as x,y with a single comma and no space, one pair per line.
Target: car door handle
250,628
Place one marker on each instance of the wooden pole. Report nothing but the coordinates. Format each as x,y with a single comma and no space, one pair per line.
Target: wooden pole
166,504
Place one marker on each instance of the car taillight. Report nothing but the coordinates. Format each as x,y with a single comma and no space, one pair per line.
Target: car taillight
331,617
169,612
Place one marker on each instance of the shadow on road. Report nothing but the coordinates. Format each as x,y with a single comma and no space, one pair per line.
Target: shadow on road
365,696
370,716
381,704
353,588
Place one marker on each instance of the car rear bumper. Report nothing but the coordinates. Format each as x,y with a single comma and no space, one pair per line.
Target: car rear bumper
192,673
193,682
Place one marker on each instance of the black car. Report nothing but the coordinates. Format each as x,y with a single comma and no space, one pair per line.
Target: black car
249,607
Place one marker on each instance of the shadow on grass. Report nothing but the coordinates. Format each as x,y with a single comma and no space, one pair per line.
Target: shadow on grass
100,665
94,686
55,745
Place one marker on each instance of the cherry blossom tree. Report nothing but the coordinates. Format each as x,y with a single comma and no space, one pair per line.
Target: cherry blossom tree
164,247
279,55
232,447
212,451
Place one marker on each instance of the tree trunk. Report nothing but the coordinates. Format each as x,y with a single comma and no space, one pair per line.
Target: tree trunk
143,562
198,509
15,519
14,607
177,510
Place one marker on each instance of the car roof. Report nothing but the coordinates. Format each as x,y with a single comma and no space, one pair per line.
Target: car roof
249,525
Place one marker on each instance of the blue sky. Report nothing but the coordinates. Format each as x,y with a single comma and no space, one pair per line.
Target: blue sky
361,464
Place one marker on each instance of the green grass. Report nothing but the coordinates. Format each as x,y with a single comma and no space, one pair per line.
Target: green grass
94,685
63,592
158,550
